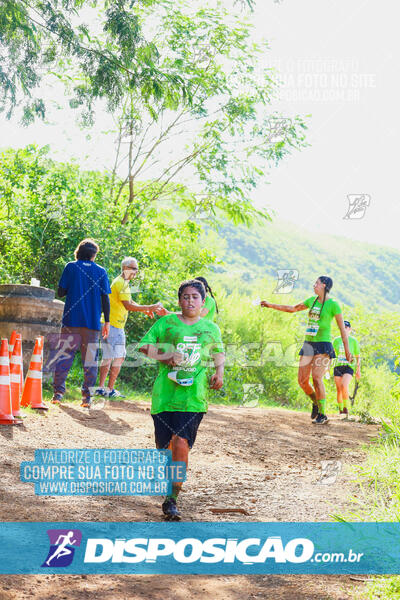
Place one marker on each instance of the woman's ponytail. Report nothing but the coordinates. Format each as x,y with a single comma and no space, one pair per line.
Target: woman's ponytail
208,289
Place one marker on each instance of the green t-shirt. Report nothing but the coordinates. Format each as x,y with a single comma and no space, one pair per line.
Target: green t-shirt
319,325
354,348
198,343
212,308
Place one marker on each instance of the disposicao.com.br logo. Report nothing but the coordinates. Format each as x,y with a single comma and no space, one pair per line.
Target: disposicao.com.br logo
200,548
212,550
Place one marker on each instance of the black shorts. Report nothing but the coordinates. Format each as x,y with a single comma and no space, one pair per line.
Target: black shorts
314,348
341,370
182,424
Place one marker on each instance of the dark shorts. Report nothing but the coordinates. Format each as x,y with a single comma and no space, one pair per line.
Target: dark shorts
314,348
341,370
182,424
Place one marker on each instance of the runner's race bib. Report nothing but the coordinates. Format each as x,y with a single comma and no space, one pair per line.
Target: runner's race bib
313,325
312,329
180,378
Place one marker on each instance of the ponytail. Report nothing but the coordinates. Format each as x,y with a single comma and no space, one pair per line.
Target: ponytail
208,289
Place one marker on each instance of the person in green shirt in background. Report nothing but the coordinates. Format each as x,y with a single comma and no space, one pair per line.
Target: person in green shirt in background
317,350
183,343
344,370
114,347
210,305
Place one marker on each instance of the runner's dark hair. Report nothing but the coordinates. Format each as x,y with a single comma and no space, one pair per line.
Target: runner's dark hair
328,286
192,283
208,289
86,249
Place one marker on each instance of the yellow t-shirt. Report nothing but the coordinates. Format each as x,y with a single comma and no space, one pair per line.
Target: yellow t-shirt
119,291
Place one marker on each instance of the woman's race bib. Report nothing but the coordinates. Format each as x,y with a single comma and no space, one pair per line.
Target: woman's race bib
313,322
312,329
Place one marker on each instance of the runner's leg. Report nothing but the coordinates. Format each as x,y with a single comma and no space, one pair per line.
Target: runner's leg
320,364
303,378
339,395
104,368
89,353
345,389
67,345
114,372
180,452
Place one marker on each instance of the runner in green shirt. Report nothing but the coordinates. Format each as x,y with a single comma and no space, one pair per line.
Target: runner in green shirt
184,344
317,350
210,305
344,370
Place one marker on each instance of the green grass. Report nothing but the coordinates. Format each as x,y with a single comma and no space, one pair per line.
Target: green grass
382,588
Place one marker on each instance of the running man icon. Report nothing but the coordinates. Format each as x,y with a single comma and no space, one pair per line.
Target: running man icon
62,542
62,549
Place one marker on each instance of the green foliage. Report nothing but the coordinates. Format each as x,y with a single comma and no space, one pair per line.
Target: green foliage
47,207
364,275
382,588
42,38
261,350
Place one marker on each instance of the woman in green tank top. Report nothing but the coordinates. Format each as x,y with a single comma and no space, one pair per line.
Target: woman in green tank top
317,350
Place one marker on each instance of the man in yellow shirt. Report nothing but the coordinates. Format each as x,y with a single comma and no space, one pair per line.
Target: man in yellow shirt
113,347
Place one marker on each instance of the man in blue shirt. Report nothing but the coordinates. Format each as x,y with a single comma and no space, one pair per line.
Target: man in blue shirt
86,288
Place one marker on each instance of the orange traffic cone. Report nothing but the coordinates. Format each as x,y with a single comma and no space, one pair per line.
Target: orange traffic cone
11,343
15,378
6,417
32,394
21,384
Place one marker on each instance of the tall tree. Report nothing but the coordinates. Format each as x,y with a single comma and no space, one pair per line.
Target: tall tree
210,148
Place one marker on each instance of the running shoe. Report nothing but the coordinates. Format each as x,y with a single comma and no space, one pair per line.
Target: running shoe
321,420
56,399
345,412
86,403
101,392
115,394
314,412
170,510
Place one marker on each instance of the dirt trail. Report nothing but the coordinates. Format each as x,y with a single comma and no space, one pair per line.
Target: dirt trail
265,461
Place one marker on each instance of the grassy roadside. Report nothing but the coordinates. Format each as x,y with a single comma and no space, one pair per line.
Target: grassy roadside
378,499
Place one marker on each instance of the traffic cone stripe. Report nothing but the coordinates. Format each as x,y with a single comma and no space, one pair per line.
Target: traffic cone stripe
16,360
4,380
14,378
4,361
32,394
34,374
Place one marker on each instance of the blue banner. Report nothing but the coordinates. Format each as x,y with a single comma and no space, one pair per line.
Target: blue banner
203,548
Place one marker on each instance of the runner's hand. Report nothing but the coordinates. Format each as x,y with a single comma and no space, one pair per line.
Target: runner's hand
159,309
176,359
358,375
216,382
149,313
264,303
349,357
105,330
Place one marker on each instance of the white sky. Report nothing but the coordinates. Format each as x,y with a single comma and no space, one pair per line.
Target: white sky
338,62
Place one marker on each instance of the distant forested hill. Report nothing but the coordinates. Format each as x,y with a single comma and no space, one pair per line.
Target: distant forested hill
361,272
